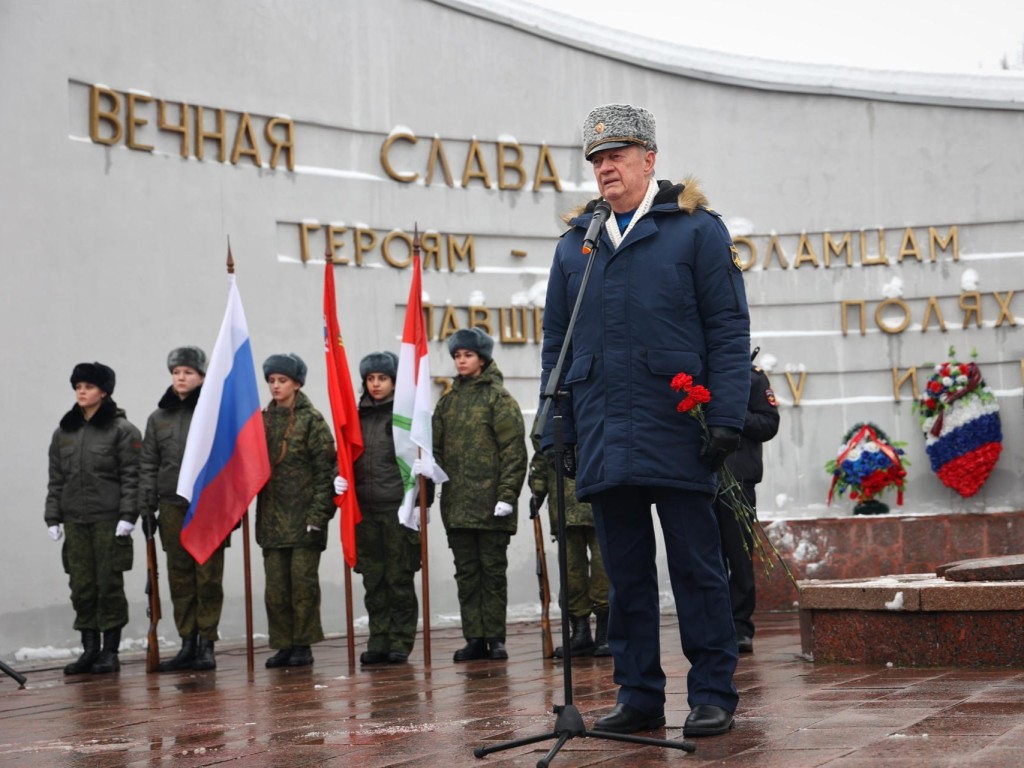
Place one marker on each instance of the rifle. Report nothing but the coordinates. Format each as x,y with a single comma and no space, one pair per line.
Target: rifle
547,644
153,598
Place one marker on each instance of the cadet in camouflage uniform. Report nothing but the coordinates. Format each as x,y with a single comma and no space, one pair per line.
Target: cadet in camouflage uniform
293,510
479,441
587,581
197,591
94,478
388,553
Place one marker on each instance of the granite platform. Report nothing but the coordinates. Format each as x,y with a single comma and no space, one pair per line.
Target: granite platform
966,614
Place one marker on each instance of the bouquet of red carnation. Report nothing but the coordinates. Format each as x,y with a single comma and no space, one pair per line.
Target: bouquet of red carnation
729,488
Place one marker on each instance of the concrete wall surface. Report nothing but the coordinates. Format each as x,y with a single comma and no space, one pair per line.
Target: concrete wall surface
139,136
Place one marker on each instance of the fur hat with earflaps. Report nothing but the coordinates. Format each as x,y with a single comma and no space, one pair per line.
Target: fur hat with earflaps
189,357
290,364
473,339
379,362
94,373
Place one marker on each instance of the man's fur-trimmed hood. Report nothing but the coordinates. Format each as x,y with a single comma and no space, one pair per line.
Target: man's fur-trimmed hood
688,196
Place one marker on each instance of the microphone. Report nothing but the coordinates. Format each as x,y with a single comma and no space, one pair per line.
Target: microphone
601,213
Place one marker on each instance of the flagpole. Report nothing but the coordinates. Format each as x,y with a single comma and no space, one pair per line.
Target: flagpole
424,560
249,651
350,632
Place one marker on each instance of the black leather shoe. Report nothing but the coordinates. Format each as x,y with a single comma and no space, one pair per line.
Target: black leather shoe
397,657
745,644
372,657
279,659
707,720
301,656
627,719
475,648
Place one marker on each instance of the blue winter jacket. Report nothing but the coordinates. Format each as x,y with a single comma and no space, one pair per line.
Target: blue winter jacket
670,299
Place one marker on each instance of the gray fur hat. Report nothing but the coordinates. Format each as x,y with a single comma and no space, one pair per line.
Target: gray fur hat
190,357
472,339
379,362
94,373
618,125
290,364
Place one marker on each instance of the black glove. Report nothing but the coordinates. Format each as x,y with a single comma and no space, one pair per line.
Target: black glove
722,441
536,502
568,460
149,526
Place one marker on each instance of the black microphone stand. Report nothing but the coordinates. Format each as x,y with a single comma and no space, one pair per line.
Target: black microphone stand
568,721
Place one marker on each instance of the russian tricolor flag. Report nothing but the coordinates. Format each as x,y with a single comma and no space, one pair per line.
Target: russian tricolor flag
225,463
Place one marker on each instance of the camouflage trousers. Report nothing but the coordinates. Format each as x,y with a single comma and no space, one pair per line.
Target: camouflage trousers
481,565
95,561
197,591
292,596
388,556
587,581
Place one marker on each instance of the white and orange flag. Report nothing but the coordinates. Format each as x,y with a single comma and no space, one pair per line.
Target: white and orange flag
412,411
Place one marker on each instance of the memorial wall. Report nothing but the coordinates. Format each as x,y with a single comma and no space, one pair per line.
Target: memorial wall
878,216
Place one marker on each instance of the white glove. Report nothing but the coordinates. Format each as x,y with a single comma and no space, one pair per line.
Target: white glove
124,528
311,528
502,509
417,466
340,485
55,532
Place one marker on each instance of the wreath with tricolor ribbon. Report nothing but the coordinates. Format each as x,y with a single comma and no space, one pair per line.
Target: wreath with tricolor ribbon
959,416
867,464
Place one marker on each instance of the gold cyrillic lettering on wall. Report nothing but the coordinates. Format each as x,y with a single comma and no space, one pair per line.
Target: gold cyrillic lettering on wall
831,247
898,381
385,249
108,126
867,260
747,243
843,311
880,312
1004,308
458,252
951,238
108,116
395,247
775,247
929,310
509,160
513,323
969,302
805,253
909,247
183,126
133,121
797,389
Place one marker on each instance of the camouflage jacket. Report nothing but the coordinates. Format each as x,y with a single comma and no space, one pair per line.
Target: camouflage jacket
543,482
94,467
480,442
300,491
162,449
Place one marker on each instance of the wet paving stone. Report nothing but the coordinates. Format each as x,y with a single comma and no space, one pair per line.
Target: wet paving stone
793,713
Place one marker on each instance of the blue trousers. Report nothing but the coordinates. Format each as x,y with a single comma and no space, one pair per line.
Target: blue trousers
625,529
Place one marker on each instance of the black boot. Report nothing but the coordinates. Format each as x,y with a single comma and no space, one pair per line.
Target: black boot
475,648
601,636
204,658
107,661
581,643
496,649
301,656
184,658
90,650
279,659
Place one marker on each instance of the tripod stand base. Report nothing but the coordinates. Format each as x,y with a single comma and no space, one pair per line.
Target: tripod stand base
569,725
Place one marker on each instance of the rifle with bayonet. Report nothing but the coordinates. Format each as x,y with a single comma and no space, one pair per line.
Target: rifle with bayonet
152,595
547,642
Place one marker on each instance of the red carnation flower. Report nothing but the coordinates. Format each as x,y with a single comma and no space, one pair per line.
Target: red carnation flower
699,393
682,381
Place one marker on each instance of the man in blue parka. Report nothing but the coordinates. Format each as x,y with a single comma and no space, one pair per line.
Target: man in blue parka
665,296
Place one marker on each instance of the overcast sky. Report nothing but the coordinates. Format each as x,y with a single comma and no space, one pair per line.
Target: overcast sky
911,35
